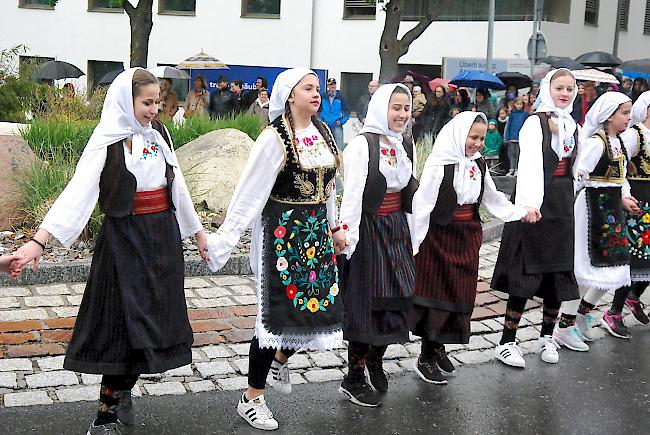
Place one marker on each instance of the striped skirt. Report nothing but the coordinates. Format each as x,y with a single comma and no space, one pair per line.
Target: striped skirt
378,281
133,315
446,270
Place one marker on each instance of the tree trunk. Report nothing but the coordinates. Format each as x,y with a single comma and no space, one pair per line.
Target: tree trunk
392,49
141,19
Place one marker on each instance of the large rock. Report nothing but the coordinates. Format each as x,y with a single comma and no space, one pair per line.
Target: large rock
212,165
15,156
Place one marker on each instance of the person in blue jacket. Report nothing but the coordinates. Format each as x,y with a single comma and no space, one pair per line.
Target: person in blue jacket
334,111
511,134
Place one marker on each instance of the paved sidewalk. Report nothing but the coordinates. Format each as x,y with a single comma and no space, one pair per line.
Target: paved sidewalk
36,323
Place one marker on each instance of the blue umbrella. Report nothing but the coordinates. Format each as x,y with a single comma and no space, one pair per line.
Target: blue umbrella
477,79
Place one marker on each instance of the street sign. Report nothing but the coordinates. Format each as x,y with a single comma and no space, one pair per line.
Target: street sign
541,46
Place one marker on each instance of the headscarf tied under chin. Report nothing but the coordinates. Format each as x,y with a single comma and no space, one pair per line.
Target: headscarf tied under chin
118,122
282,87
565,122
600,111
449,147
377,116
640,108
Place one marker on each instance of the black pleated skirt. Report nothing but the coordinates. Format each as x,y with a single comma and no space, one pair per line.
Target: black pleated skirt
133,315
378,281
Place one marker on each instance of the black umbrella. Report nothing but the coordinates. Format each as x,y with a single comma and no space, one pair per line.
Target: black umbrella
108,78
56,70
636,66
598,58
515,79
561,62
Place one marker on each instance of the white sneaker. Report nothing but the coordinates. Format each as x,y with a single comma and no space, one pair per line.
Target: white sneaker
280,377
549,349
510,354
256,413
570,338
584,324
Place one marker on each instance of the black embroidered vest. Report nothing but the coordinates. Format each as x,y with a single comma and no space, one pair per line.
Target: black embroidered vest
117,186
295,184
609,168
549,157
443,212
375,190
641,162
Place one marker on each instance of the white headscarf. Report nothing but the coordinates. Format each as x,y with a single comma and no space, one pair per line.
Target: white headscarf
284,83
450,145
118,122
377,116
602,109
640,108
544,103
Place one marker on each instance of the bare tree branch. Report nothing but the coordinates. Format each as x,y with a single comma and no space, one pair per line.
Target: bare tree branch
422,25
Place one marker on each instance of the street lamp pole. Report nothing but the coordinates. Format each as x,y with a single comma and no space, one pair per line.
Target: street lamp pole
490,39
533,59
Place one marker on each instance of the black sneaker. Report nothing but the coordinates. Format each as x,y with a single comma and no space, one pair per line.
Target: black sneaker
636,307
103,429
377,378
360,393
125,412
444,363
613,323
429,372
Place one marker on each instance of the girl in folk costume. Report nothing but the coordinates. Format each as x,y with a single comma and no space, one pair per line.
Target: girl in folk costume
287,193
602,253
447,237
133,317
379,272
636,140
537,260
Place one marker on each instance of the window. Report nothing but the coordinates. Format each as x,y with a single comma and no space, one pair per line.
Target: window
177,7
35,4
260,8
477,10
98,68
104,6
623,14
591,12
27,65
646,21
360,9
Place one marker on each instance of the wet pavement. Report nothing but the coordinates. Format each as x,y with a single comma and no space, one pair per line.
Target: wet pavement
603,391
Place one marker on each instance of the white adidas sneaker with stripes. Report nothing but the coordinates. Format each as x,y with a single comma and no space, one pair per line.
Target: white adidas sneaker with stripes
510,354
256,413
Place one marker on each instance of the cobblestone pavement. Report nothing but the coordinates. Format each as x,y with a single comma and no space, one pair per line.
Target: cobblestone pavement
36,323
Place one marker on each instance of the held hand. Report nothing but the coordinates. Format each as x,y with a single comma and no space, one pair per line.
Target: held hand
340,241
631,205
9,263
30,251
202,243
532,215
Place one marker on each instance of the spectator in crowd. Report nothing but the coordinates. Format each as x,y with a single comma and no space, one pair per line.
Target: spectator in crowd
532,98
419,101
509,97
69,87
493,143
249,97
461,100
362,108
334,112
626,86
639,86
197,100
237,88
577,112
453,112
516,120
502,121
534,89
260,107
408,81
436,111
483,104
168,100
223,102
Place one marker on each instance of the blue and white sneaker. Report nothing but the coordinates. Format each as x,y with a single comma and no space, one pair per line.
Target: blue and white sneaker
585,323
570,338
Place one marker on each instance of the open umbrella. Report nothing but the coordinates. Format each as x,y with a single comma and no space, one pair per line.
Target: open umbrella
108,78
477,79
561,62
598,58
636,66
56,70
433,84
515,79
168,72
202,61
594,75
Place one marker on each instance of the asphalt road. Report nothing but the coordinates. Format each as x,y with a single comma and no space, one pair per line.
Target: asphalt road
606,390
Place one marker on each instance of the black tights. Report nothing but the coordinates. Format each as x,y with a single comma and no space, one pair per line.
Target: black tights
632,292
515,309
428,349
362,354
259,363
109,396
